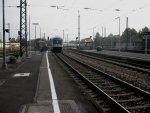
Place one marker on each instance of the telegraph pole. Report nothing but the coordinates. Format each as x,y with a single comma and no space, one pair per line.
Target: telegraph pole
40,33
29,37
119,36
105,32
127,34
63,36
9,37
4,65
102,31
119,45
35,35
79,27
93,37
145,44
9,30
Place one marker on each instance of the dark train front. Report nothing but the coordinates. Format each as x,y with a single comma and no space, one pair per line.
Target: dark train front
57,44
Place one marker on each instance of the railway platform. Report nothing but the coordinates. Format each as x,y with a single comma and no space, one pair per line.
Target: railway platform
45,100
27,87
31,86
137,56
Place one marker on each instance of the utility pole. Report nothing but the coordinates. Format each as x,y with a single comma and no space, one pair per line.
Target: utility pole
102,36
0,37
93,37
145,44
23,27
79,27
67,40
105,32
29,37
4,65
102,31
0,41
127,34
35,35
9,37
9,30
40,33
63,36
119,34
44,35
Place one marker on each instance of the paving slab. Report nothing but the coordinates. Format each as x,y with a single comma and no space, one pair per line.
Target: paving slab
66,106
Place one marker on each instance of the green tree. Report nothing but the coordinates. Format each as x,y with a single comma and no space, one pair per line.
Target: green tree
145,29
110,40
129,37
98,40
128,33
110,35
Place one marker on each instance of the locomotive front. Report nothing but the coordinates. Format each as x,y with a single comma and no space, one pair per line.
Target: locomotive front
57,44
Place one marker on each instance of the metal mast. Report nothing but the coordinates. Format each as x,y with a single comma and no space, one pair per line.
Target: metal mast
23,27
127,34
79,27
4,65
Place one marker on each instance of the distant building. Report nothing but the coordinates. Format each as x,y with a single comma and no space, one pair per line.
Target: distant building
13,40
86,43
10,46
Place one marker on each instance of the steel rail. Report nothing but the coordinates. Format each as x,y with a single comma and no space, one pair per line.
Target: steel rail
132,61
111,101
147,71
131,87
136,89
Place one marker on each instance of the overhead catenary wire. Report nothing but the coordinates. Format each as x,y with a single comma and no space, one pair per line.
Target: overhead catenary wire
72,5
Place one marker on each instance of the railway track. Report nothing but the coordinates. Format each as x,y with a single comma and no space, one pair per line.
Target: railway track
134,75
109,94
126,65
139,63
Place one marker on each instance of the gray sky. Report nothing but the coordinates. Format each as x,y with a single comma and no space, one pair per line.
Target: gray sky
53,21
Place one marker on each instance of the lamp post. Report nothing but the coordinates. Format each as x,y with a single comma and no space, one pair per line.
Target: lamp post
35,24
0,39
9,37
93,36
56,6
4,65
79,28
92,9
29,38
40,33
93,27
59,7
145,44
119,29
119,34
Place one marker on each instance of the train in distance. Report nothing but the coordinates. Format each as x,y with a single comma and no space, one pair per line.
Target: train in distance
57,44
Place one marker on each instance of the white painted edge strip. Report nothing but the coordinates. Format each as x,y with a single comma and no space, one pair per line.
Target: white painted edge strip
52,86
21,75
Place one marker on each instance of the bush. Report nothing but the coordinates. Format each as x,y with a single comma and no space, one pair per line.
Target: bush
16,54
20,54
12,59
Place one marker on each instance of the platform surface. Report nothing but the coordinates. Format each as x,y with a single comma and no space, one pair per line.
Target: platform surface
123,54
66,106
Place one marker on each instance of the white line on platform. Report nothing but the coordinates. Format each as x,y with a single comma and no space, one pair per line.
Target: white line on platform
54,96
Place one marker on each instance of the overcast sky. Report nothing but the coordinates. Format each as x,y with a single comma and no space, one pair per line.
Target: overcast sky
53,21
